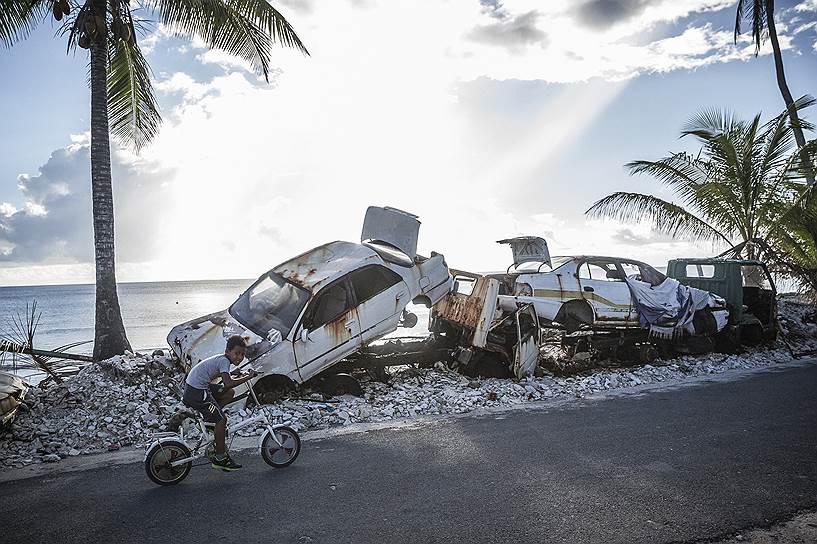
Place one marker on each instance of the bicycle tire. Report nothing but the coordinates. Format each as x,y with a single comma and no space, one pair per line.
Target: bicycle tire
156,466
271,452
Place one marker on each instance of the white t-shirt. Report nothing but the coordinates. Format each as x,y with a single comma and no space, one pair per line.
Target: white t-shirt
207,370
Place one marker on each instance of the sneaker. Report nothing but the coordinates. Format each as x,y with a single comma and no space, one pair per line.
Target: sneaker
226,464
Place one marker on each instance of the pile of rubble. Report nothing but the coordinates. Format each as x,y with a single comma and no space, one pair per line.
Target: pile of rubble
122,401
798,321
412,392
107,405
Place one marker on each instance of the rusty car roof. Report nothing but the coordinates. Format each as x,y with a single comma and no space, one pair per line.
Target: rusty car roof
325,263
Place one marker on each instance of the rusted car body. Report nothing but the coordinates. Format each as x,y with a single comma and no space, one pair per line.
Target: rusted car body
486,339
583,291
310,312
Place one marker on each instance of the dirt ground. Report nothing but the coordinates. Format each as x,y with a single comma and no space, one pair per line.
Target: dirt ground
801,530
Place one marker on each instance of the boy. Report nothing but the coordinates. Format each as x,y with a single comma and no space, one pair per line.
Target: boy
208,398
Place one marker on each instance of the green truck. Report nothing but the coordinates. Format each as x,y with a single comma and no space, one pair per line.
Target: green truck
748,288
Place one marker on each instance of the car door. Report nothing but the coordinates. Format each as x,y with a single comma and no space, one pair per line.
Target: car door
602,285
381,295
332,329
634,271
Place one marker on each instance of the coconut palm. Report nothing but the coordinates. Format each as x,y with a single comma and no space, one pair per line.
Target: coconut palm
122,99
744,185
761,15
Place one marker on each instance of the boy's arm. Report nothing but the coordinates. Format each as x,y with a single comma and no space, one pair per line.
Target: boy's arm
230,382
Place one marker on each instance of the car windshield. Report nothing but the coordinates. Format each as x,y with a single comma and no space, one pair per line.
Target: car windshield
271,303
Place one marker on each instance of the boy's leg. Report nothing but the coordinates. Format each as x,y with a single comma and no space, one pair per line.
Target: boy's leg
225,397
220,430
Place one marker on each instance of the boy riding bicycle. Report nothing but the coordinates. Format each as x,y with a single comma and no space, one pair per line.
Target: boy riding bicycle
209,398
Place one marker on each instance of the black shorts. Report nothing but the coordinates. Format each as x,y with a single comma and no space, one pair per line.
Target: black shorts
204,401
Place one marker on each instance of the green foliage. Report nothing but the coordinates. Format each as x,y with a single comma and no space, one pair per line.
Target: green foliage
745,184
132,112
753,11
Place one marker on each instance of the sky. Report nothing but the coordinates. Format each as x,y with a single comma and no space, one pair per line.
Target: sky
486,118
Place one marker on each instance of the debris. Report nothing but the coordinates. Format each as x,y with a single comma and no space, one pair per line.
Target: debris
72,419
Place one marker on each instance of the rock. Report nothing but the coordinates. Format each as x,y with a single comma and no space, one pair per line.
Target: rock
51,458
473,384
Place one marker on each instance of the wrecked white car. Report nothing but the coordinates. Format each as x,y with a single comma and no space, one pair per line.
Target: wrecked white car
601,293
308,313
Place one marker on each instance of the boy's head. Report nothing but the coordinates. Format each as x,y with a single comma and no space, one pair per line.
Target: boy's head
236,349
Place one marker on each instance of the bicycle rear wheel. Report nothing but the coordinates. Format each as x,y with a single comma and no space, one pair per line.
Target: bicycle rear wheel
283,454
158,462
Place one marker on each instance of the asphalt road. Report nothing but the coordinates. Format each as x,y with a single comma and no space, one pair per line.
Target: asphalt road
670,466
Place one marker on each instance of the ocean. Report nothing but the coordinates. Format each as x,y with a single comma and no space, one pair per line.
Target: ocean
149,310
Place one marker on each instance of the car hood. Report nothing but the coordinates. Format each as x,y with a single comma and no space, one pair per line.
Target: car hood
207,336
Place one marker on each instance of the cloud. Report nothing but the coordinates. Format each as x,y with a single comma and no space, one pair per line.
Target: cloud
602,14
512,33
299,6
628,237
7,210
55,224
806,6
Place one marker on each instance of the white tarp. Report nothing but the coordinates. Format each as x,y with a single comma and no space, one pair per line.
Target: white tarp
669,307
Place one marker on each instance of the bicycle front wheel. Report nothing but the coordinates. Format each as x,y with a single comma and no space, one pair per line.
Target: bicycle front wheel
283,452
158,462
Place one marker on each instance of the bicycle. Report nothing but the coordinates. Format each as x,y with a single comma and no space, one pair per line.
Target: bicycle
168,459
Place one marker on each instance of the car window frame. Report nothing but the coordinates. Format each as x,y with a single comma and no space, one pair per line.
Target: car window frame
595,262
310,308
356,300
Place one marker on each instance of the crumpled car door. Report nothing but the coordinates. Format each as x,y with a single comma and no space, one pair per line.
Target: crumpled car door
381,296
332,330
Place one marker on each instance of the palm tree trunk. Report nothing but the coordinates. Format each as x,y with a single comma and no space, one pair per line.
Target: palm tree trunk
787,98
109,332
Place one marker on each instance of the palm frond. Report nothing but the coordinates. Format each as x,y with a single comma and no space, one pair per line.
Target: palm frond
665,217
132,111
709,122
680,171
805,101
244,28
19,17
754,11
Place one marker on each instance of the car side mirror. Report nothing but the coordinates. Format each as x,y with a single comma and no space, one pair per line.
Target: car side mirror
304,335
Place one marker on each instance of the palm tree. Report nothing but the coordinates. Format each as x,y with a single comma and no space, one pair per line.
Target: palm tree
122,100
744,185
761,15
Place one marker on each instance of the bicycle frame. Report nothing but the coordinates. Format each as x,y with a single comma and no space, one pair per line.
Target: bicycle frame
203,442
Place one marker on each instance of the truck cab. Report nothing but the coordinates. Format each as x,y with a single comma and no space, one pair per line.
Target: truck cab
746,285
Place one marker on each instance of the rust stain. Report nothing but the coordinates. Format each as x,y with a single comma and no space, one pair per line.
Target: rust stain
462,309
336,329
303,282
